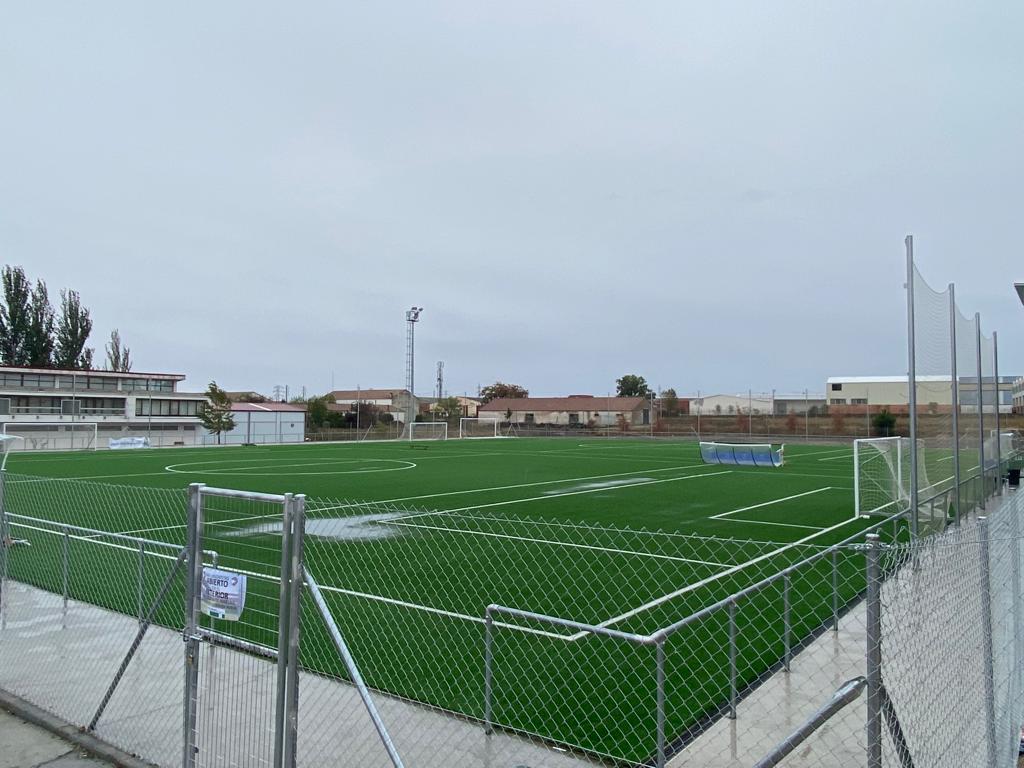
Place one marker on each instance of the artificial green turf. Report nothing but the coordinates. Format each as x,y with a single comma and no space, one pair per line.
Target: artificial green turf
546,525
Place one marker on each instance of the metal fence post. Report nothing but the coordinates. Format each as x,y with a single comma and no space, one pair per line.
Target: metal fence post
785,622
488,671
873,656
4,535
283,627
139,591
986,648
659,649
1015,592
733,694
191,636
64,565
835,590
298,531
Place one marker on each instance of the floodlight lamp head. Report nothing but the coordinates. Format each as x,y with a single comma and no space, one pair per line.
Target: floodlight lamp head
1019,287
413,314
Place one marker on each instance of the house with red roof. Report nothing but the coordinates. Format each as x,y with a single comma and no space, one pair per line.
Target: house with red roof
574,410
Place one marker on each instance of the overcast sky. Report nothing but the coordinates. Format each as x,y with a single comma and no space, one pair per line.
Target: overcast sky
713,195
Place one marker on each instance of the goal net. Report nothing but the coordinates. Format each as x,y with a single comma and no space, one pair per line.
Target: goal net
742,454
477,427
52,436
882,477
428,430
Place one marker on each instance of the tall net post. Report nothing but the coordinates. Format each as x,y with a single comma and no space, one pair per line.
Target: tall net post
968,391
955,392
981,413
996,398
912,384
931,393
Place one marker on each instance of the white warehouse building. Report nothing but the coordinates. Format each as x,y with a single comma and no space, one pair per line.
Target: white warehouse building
261,423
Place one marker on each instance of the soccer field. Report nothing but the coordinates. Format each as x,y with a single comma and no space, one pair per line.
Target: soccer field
412,542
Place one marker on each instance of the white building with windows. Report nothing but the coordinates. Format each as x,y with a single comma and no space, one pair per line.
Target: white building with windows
64,410
934,394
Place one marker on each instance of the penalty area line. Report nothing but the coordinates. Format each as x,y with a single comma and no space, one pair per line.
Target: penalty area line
722,515
704,582
555,543
783,525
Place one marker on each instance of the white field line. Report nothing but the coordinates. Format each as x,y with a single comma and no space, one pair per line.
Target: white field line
512,487
578,526
440,611
704,582
770,503
783,525
846,457
86,477
563,495
555,543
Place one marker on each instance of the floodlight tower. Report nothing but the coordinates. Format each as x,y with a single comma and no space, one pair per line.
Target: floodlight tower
412,316
440,379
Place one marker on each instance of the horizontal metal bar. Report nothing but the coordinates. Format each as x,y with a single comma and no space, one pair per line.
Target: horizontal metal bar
251,495
236,643
671,629
93,532
848,693
576,625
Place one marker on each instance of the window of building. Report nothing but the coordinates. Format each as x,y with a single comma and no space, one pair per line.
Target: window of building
858,401
837,401
528,418
837,387
574,418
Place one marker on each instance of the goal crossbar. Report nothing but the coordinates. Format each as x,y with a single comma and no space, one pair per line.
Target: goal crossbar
478,427
428,430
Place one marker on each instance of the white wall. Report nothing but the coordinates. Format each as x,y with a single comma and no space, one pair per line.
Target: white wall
263,427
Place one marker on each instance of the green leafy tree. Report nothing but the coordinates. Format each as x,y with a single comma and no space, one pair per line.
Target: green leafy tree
499,390
448,408
39,339
316,410
670,402
884,423
73,329
15,316
215,415
119,358
632,385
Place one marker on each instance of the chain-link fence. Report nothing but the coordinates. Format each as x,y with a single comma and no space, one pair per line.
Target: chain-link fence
476,639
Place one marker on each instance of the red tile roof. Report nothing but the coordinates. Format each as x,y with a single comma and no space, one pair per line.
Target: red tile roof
576,403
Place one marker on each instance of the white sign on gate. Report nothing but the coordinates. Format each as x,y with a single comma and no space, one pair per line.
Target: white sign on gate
223,594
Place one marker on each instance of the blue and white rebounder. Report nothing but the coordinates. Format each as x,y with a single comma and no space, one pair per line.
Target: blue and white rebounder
743,454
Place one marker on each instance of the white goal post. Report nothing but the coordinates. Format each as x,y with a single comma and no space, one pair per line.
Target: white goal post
428,430
878,475
53,435
470,427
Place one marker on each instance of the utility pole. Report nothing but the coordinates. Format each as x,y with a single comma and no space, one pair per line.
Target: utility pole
412,316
